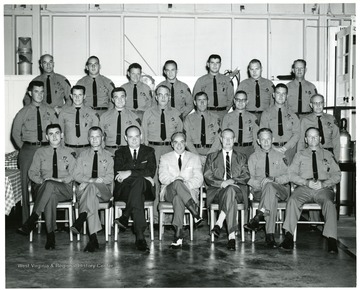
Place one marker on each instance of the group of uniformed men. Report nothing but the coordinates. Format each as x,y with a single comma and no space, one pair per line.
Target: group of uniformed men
97,134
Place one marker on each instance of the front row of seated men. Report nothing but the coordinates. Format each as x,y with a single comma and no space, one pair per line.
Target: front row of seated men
226,174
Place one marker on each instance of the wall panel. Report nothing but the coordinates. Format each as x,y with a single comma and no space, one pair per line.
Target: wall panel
312,49
9,47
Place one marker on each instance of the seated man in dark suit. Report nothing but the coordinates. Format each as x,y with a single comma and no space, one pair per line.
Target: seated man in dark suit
226,174
134,169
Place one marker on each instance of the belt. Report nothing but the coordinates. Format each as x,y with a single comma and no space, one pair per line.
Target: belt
279,143
201,146
243,144
77,146
255,112
159,143
217,108
115,146
99,108
37,143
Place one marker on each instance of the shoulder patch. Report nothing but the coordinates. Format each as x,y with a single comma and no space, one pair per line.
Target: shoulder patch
73,154
286,161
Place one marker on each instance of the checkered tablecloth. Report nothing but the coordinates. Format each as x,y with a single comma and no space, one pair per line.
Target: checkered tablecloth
12,189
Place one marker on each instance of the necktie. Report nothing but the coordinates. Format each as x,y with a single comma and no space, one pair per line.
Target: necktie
280,123
203,134
39,128
216,101
77,122
55,168
300,99
118,129
94,88
314,166
172,96
228,166
162,126
257,94
48,90
267,165
321,130
94,173
179,162
135,99
134,156
240,137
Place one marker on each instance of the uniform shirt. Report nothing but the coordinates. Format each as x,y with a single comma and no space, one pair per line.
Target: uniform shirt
84,165
330,129
301,169
104,86
143,95
25,123
308,90
250,125
183,98
290,123
42,165
192,128
151,124
60,89
225,89
266,91
108,122
67,118
278,167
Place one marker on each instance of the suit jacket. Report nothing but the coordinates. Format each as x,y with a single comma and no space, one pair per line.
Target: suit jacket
214,172
145,164
191,171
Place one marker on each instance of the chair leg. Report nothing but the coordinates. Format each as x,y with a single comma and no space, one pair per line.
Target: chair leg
161,220
107,224
242,222
191,222
295,232
117,214
76,217
151,218
70,219
253,213
212,223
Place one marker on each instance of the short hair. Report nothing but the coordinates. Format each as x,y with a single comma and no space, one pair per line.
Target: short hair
227,130
173,136
214,56
95,128
33,84
117,89
161,86
311,128
299,60
263,130
78,87
45,55
240,92
93,56
170,61
316,95
132,127
134,65
254,60
281,85
53,126
198,94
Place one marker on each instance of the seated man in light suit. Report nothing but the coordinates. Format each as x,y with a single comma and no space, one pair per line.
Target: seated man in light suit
226,174
180,174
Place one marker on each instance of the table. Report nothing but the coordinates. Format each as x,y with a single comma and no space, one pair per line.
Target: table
13,193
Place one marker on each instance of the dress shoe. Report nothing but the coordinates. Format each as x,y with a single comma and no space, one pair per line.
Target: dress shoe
270,241
94,239
198,223
141,245
253,224
29,225
176,244
90,247
122,222
288,242
76,227
231,245
50,241
332,246
216,231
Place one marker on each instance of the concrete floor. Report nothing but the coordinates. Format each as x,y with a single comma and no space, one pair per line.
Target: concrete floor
199,264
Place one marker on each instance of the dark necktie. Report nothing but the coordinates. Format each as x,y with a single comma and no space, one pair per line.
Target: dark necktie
39,128
77,122
267,165
314,166
240,137
257,94
118,129
179,162
48,90
203,134
172,96
280,123
135,97
162,126
228,166
94,88
94,172
216,101
300,99
321,130
55,167
134,156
